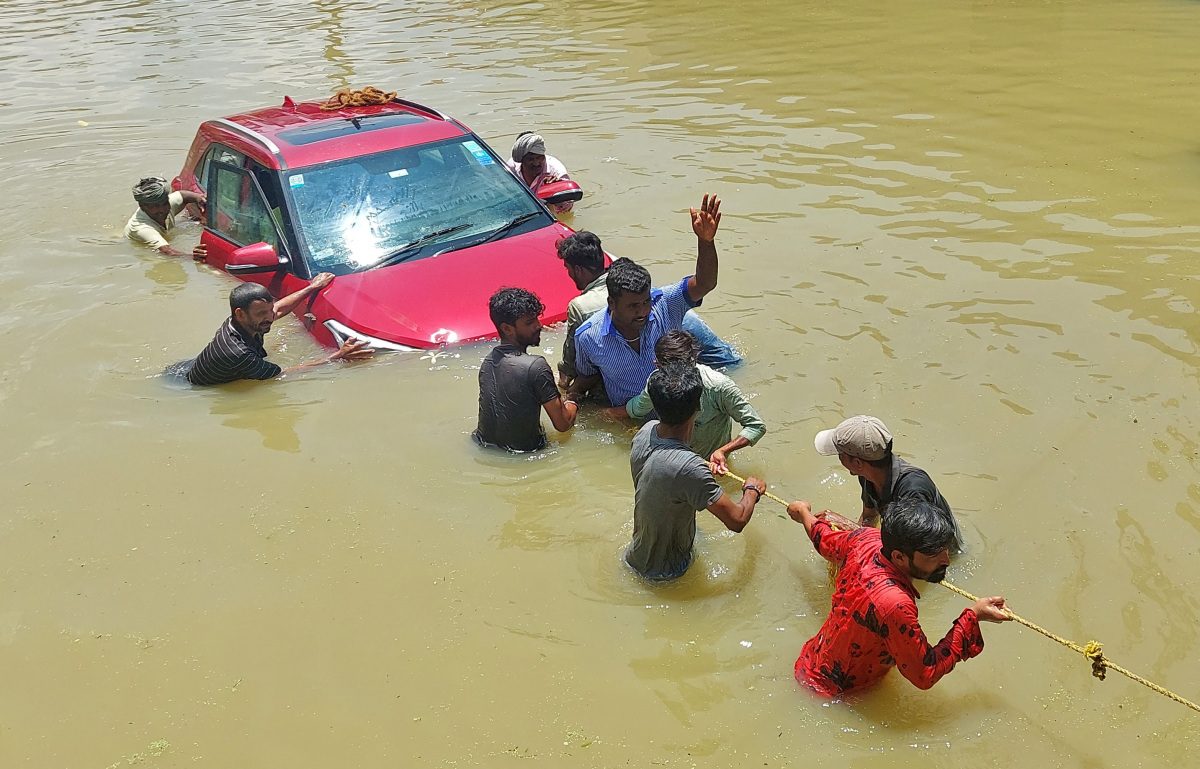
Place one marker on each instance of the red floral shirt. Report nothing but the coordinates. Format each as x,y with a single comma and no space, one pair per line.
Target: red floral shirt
873,624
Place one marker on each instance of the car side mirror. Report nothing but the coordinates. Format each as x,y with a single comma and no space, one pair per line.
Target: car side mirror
554,193
255,259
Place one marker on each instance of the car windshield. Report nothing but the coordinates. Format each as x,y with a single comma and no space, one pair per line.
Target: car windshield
355,214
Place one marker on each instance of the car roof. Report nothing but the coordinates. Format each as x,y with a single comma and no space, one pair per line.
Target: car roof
302,134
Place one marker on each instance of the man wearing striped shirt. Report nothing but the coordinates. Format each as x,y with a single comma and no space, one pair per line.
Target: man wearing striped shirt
618,344
237,352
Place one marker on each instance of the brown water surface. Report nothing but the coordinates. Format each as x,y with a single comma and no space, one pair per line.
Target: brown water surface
977,220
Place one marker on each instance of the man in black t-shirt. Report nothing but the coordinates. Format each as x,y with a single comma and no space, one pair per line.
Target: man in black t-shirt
237,352
864,447
514,386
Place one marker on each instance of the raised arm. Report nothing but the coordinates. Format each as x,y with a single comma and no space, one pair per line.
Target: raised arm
705,223
285,305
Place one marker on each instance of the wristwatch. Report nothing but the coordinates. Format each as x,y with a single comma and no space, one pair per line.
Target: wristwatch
755,489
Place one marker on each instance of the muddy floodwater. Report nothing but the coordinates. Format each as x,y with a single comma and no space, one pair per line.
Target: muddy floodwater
979,221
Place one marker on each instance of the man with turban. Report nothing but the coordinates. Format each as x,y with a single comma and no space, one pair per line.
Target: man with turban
157,207
535,167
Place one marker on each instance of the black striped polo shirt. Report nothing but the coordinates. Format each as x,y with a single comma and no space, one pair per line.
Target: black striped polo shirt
230,356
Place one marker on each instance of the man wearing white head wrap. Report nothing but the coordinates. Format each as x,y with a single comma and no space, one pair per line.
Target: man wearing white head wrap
535,167
157,207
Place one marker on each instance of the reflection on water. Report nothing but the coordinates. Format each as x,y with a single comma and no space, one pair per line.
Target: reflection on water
974,220
263,408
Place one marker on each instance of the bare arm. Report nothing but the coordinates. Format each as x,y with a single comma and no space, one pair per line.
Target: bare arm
351,349
705,223
870,517
717,462
170,251
285,305
735,516
580,386
562,413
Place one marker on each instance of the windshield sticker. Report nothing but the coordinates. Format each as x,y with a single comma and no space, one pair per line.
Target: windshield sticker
480,153
398,172
296,180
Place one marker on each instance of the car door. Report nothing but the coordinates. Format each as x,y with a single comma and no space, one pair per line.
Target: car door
239,216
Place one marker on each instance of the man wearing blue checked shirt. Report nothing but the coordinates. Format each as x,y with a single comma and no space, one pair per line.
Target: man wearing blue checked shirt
618,344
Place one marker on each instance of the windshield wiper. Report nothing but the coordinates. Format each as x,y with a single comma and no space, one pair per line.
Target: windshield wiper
496,233
405,251
504,228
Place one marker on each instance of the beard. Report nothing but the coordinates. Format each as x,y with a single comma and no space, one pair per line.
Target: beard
937,575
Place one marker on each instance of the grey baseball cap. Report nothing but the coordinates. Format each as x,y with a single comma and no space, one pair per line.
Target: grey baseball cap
861,436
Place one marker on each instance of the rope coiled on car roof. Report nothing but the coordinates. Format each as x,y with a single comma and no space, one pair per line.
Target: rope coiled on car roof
363,97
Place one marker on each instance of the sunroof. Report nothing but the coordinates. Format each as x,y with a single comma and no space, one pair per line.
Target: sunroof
333,129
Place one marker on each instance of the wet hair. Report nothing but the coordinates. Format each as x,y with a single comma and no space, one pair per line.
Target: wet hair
626,276
508,305
913,525
676,346
247,294
675,392
582,250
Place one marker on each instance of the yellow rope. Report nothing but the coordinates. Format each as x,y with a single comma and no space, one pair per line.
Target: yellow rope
1093,652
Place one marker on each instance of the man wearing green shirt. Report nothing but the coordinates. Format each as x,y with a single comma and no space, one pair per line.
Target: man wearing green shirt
721,404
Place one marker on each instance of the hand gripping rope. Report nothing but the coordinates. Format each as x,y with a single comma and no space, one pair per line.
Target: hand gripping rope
1092,652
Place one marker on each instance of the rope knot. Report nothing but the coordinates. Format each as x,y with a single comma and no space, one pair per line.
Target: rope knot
1095,654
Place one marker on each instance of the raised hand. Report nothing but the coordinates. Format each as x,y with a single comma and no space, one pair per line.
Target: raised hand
321,281
706,221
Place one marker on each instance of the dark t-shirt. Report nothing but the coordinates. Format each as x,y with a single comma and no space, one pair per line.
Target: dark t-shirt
671,483
513,385
905,480
231,355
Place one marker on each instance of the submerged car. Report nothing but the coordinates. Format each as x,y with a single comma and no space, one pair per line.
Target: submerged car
416,216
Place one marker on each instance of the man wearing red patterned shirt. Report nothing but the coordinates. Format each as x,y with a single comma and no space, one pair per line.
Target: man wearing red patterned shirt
873,625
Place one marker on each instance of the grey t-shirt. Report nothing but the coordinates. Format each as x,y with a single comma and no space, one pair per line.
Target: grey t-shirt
671,482
513,385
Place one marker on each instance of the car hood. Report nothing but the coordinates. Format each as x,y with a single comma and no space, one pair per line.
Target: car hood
444,299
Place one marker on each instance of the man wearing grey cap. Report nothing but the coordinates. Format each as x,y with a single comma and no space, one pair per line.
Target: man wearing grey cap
864,447
157,207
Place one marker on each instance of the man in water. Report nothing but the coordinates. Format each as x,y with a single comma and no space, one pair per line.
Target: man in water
671,482
721,404
514,386
534,167
873,625
864,447
583,259
617,345
155,217
237,352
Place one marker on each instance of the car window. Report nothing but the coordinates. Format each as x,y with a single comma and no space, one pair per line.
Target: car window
237,210
353,214
217,152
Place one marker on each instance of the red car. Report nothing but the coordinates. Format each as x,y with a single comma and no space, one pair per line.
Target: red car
416,216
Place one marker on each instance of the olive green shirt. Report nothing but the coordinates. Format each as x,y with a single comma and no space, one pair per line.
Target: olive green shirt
721,404
593,299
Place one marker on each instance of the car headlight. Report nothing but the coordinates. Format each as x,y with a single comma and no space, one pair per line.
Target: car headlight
342,332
